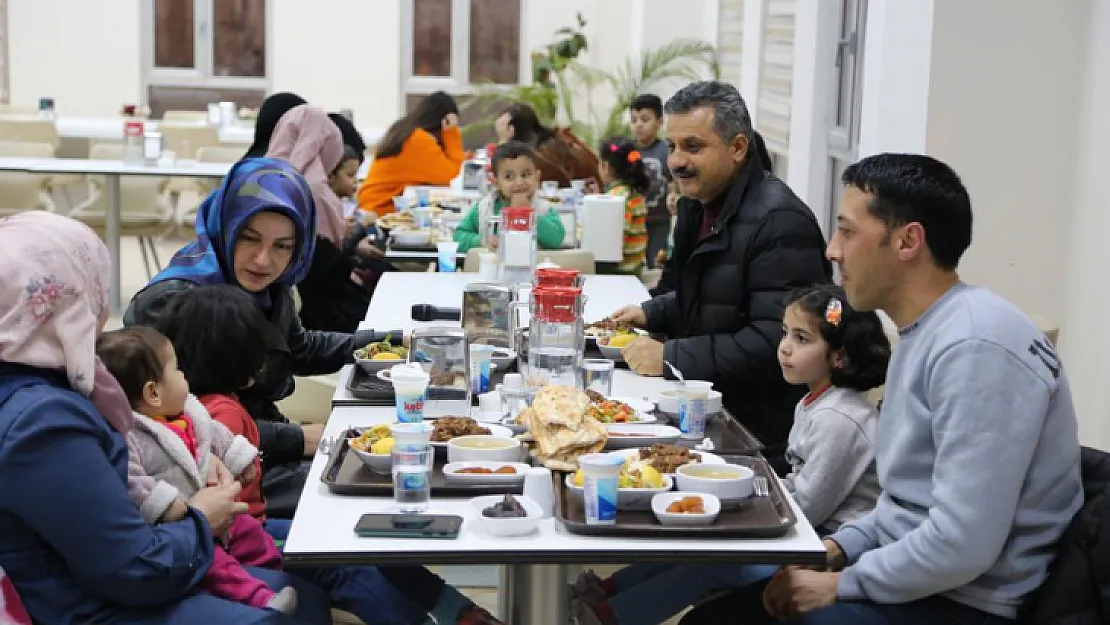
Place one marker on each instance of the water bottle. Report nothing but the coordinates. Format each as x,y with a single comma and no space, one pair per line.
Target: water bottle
412,466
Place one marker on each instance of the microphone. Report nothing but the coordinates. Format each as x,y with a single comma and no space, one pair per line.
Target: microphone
428,312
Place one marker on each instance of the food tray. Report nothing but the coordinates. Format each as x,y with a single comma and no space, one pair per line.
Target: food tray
345,474
757,517
727,434
375,392
397,247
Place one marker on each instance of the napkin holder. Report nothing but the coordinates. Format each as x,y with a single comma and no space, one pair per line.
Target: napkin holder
444,352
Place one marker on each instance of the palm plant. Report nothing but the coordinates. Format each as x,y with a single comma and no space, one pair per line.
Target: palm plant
561,81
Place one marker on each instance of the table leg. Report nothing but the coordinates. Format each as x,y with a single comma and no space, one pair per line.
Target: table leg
112,238
534,594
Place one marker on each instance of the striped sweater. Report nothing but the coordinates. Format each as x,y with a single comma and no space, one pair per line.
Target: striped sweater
635,228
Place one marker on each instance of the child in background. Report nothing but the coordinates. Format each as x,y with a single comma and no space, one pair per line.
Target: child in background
172,446
344,180
516,180
645,121
220,336
839,354
623,174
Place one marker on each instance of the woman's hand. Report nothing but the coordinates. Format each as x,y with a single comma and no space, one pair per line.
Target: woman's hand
450,120
218,505
218,475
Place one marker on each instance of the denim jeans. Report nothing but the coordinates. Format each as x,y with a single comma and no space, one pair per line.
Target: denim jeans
649,593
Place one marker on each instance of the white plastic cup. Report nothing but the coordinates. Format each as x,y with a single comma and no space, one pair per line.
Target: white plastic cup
410,385
600,479
411,435
539,488
446,252
480,361
489,263
693,408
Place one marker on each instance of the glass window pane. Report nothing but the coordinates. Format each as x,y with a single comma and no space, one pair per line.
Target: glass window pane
431,38
174,34
239,38
495,41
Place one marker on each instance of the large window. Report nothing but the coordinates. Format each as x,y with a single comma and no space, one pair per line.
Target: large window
844,103
199,51
450,45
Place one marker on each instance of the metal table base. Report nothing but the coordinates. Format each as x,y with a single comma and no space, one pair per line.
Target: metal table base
533,594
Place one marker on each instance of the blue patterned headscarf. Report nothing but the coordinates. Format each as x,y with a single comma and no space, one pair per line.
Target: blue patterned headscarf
253,185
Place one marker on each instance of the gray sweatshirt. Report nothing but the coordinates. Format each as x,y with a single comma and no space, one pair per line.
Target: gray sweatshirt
832,457
655,162
978,455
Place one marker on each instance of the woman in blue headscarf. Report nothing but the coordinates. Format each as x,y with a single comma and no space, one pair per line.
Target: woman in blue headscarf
258,232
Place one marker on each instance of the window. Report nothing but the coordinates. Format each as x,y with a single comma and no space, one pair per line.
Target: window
449,45
730,38
845,101
776,78
201,51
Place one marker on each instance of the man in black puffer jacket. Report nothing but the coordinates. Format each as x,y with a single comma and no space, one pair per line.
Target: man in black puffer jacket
746,241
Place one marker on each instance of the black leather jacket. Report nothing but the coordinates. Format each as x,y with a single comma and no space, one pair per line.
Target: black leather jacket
724,318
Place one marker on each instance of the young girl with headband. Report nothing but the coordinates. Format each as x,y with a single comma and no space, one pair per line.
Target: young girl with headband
622,173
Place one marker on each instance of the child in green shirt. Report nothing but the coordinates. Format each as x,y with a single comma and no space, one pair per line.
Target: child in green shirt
516,179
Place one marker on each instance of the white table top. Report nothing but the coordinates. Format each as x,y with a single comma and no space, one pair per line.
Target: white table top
111,128
323,531
184,168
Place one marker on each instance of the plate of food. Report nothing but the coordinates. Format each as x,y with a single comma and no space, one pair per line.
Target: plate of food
373,446
446,428
666,457
623,435
381,355
610,411
638,483
411,237
485,472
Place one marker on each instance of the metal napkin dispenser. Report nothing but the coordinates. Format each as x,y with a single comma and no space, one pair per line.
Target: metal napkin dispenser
485,314
444,353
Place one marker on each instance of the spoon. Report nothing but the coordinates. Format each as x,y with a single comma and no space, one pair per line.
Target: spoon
676,373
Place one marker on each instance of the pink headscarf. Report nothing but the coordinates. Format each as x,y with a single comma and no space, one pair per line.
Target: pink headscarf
308,139
54,302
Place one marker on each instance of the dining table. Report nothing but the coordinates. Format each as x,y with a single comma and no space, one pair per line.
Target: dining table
534,569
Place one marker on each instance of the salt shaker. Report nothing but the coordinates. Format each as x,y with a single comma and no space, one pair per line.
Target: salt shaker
539,488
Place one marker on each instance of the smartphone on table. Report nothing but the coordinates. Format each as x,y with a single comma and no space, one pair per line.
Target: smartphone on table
390,525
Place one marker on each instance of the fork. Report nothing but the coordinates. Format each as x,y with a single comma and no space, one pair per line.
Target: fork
759,484
327,445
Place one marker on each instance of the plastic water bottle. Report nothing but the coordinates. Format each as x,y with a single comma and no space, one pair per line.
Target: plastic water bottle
412,466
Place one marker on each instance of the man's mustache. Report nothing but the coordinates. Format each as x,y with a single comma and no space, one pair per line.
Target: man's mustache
684,171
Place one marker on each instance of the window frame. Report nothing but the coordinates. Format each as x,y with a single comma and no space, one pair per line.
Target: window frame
458,83
202,73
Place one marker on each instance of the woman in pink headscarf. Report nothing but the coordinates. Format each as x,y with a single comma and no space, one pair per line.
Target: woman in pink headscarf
336,292
72,542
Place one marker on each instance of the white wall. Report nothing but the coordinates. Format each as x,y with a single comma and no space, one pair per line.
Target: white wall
83,54
1001,115
1084,342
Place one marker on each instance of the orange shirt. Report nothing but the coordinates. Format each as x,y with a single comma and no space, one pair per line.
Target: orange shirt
421,162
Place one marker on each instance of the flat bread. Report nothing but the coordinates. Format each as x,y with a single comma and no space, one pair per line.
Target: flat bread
560,429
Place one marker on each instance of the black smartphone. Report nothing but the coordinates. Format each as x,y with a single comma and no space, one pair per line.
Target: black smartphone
408,526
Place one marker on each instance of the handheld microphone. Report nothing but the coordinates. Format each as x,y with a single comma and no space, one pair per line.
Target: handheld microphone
428,312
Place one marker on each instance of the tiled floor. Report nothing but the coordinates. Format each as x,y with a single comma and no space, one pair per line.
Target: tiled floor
473,581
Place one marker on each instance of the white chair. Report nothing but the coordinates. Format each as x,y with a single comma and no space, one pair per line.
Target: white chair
582,260
29,129
191,117
24,191
146,209
185,139
187,210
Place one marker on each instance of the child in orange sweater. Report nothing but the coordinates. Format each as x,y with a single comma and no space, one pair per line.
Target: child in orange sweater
422,148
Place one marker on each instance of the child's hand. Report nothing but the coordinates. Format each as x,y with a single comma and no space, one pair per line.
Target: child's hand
177,511
249,474
218,475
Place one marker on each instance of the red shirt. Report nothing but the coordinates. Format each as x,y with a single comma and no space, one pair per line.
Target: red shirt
227,410
710,211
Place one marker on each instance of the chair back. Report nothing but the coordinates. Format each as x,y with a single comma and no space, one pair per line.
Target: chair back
20,191
191,117
185,139
29,129
582,260
140,196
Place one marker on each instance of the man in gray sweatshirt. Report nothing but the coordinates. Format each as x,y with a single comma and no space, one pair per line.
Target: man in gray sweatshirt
977,448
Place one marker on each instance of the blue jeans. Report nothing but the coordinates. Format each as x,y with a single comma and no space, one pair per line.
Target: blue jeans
360,590
201,607
745,607
651,593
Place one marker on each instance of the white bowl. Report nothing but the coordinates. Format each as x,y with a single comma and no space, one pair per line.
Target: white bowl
411,237
378,463
518,526
372,367
628,498
482,448
729,482
451,472
612,353
660,502
668,401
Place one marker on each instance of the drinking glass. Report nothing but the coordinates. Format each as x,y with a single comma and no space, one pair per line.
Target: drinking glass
597,375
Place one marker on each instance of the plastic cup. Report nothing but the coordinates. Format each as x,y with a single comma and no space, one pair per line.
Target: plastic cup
411,435
446,252
423,196
480,356
410,386
422,217
693,408
597,375
600,478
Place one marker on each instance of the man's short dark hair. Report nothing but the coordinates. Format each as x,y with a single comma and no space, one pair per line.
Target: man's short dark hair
730,113
133,357
509,150
648,102
220,337
908,188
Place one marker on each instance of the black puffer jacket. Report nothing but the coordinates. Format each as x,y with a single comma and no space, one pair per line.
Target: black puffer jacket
1077,590
292,351
724,321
